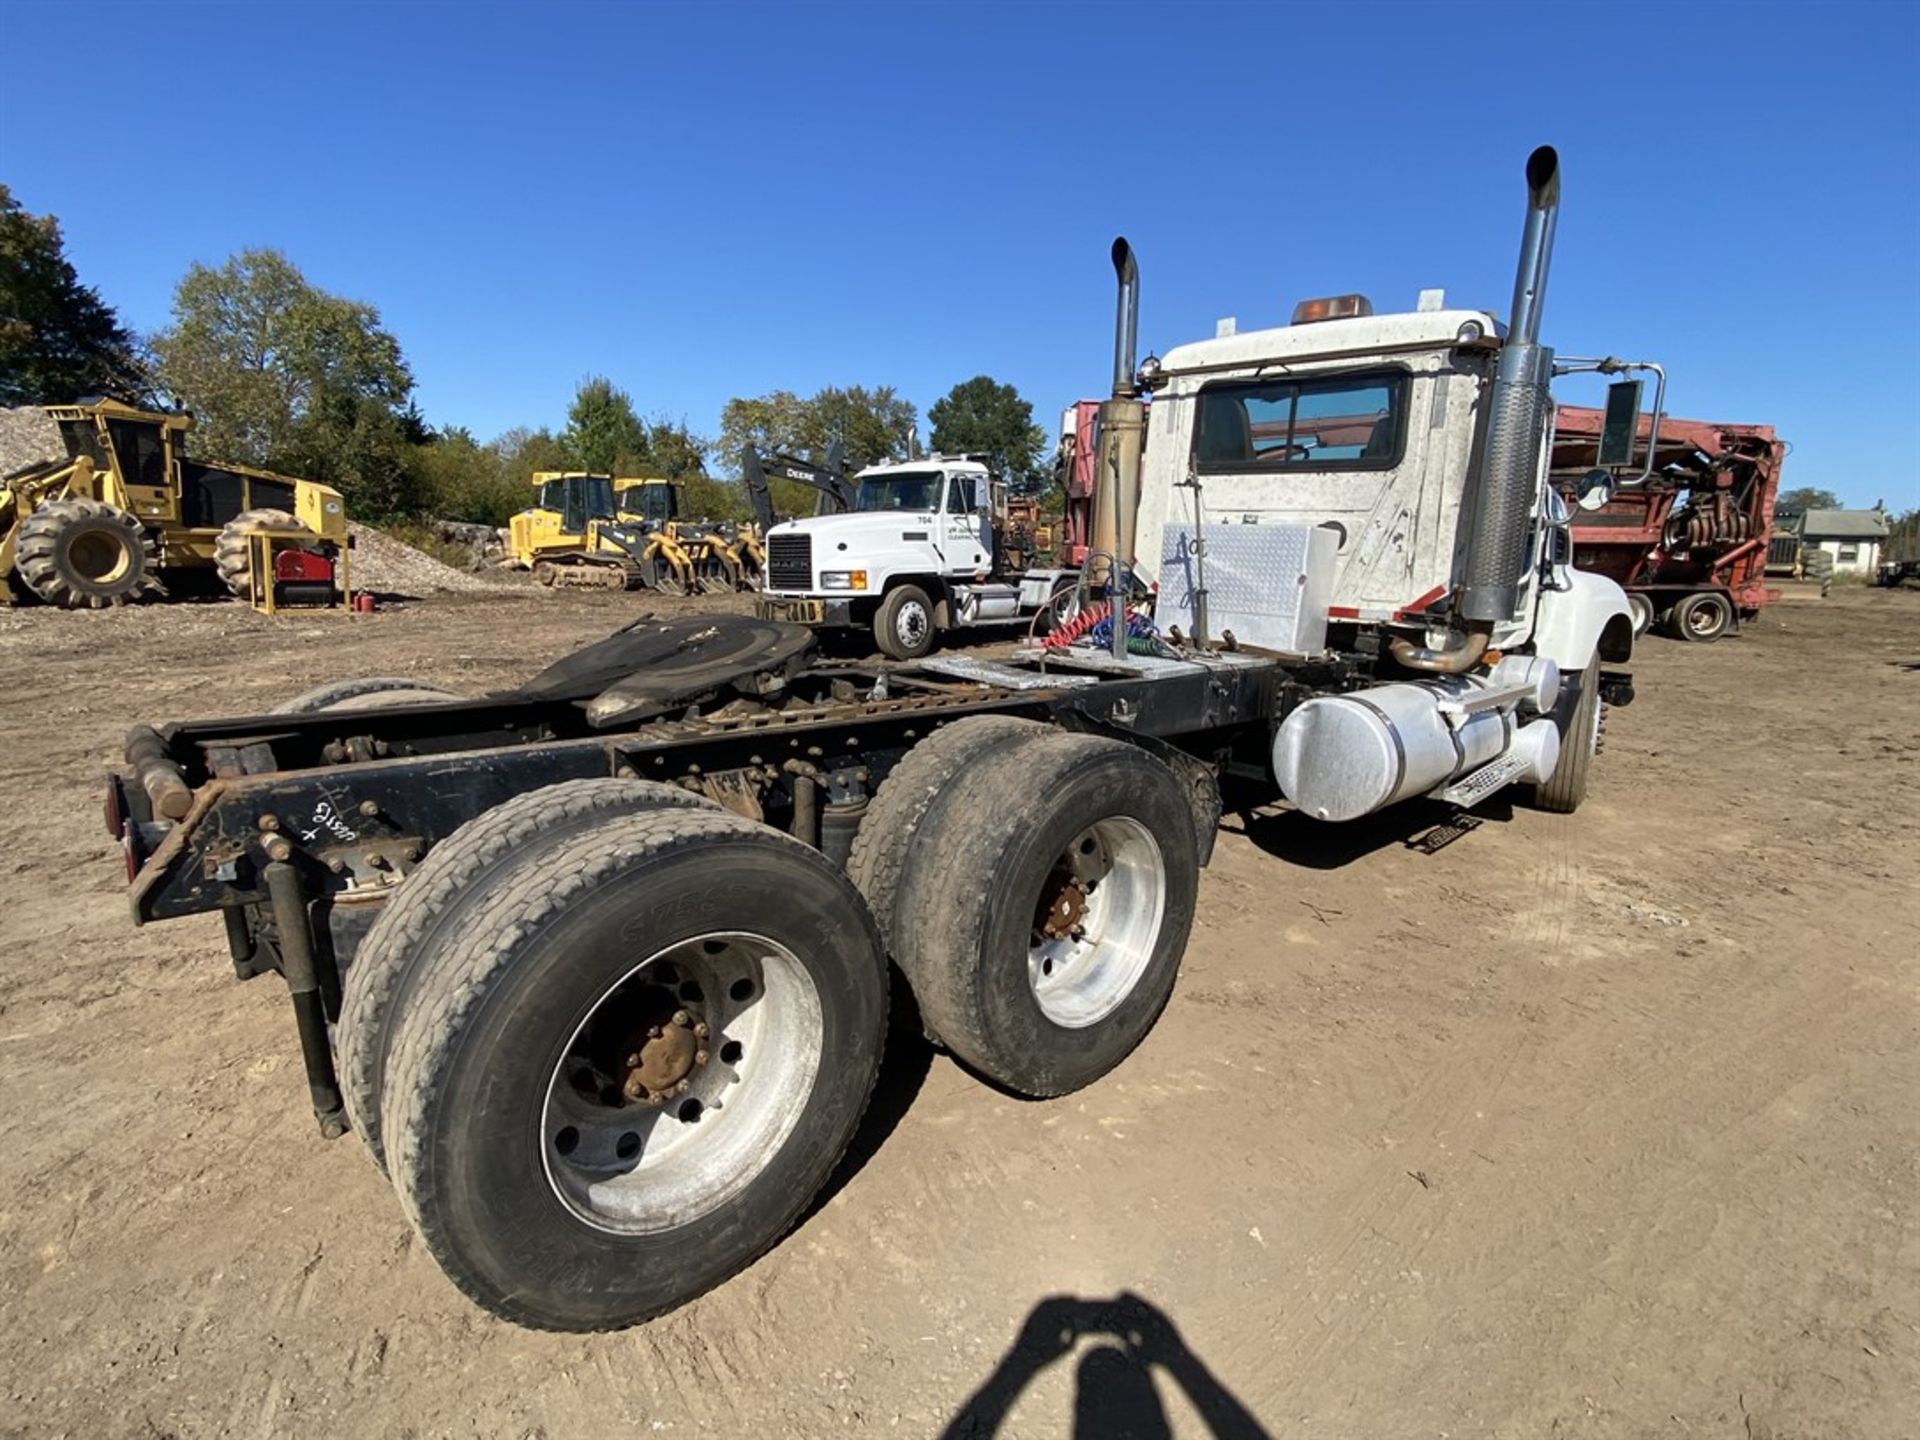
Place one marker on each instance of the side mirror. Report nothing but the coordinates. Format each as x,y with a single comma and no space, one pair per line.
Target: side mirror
1621,426
1595,489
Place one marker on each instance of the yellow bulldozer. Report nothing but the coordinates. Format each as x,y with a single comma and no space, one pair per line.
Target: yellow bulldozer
573,536
126,513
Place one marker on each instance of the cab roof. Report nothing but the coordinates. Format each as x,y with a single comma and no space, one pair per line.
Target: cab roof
952,464
1330,340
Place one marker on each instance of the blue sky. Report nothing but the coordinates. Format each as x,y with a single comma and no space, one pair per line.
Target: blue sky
721,200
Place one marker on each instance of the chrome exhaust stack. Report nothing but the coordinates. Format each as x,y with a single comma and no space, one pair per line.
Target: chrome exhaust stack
1502,499
1517,411
1123,431
1126,319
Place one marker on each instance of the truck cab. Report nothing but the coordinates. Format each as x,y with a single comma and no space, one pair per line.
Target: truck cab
919,552
1362,428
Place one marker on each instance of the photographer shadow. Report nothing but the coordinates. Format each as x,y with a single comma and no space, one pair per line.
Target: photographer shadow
1114,1393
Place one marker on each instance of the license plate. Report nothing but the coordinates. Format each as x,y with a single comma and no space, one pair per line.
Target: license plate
798,612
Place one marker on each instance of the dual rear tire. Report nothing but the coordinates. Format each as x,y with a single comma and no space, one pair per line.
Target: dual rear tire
609,1041
1041,938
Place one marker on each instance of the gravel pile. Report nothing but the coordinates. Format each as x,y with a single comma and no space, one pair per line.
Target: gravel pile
383,564
27,435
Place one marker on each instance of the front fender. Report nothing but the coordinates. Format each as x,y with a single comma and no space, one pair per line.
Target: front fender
1590,616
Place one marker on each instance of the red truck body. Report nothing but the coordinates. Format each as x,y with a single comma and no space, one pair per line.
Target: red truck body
1702,521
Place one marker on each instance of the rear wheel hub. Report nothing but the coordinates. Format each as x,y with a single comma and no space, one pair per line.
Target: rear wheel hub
662,1051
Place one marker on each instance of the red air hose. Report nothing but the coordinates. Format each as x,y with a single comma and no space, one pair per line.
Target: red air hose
1066,634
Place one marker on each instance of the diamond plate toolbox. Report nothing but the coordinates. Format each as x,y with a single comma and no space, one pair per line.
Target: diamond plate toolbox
1268,584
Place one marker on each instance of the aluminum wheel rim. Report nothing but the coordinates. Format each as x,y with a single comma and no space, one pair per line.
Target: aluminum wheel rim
911,623
639,1167
1112,881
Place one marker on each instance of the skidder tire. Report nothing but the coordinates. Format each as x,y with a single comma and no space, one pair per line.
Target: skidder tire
627,1075
232,556
86,555
1579,738
367,692
903,626
1042,937
881,844
461,870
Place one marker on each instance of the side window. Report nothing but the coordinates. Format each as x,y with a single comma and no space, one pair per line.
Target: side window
1849,554
1345,422
960,495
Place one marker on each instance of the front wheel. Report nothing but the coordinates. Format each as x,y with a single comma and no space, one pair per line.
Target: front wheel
627,1072
86,555
1563,790
903,625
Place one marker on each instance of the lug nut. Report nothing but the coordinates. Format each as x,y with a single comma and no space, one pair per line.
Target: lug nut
699,1057
680,1017
653,1032
336,865
269,822
369,808
701,1030
633,1059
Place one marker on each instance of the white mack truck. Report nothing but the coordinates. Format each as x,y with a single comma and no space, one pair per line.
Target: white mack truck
923,550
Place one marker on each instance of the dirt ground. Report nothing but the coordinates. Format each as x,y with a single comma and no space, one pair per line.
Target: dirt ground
1591,1126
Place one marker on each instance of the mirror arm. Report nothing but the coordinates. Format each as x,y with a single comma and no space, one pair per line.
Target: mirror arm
1608,365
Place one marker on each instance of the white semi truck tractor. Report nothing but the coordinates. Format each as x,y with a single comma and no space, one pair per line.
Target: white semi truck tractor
922,550
598,968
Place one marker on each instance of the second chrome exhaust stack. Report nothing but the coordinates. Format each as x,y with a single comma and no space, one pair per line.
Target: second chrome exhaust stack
1501,500
1517,412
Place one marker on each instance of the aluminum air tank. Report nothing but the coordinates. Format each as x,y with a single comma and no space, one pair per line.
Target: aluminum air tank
1338,757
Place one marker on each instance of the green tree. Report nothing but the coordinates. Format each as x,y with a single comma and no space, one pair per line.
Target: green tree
774,421
461,479
676,452
982,416
603,433
58,339
871,425
281,373
1805,498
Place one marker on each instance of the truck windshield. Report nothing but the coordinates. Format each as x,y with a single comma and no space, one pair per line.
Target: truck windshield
912,490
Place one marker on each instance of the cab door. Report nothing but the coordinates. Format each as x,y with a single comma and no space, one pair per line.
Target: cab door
965,537
143,457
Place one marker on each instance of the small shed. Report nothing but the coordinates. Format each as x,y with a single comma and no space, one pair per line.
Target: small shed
1852,537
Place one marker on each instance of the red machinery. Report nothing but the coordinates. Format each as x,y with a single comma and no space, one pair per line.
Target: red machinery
1074,470
1690,545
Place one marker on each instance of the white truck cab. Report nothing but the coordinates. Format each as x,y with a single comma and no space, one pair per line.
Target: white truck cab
1364,426
919,553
